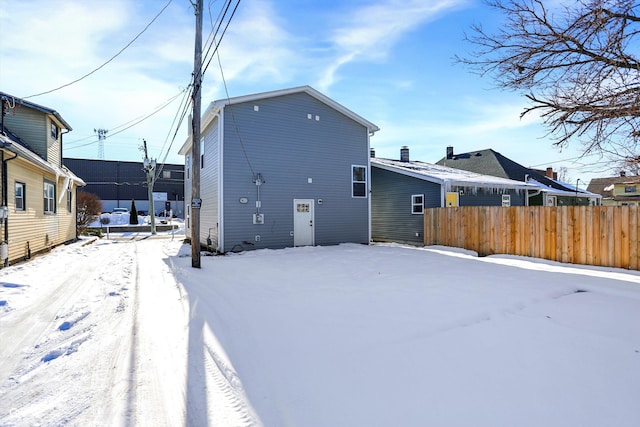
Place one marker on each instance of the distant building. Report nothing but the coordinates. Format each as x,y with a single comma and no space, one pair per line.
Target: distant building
620,190
402,189
118,182
551,192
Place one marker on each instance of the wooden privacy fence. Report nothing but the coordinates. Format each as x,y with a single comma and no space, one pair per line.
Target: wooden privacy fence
593,235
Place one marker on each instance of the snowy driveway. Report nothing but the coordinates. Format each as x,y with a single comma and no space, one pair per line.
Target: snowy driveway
127,333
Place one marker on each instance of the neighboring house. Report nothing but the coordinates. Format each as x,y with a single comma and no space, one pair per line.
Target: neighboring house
38,191
116,183
402,189
618,190
551,192
280,169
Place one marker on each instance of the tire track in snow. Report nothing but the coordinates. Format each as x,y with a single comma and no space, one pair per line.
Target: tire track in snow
228,402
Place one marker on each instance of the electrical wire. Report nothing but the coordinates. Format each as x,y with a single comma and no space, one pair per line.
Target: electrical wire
233,118
212,38
109,60
137,120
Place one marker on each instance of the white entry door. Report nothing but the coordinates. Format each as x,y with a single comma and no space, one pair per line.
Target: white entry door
303,222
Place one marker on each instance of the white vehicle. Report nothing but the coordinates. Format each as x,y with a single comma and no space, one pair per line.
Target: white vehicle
120,211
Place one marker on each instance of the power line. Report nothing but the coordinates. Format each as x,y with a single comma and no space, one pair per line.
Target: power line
130,123
212,38
109,60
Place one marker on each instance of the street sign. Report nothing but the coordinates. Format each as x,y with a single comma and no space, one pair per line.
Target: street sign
196,203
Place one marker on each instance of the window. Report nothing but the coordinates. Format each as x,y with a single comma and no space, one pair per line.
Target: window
187,163
20,196
417,204
166,174
69,198
506,200
359,181
201,153
54,131
49,197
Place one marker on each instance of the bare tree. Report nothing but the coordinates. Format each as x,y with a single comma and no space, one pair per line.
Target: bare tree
578,65
89,207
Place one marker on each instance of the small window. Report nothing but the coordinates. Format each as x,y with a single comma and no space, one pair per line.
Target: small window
506,200
166,174
201,153
49,197
54,131
20,196
417,204
187,166
69,199
359,181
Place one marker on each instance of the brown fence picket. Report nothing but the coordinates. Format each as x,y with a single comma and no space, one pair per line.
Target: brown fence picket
594,235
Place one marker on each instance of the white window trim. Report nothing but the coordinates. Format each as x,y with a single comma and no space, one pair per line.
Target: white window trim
55,130
353,181
49,203
414,204
23,197
202,153
69,200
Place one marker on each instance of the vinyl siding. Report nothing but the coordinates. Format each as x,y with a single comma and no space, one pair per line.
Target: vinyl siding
279,142
54,146
31,126
32,229
188,181
209,188
488,197
391,217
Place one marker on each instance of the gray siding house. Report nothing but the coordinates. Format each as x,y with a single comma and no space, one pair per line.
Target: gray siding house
402,189
281,169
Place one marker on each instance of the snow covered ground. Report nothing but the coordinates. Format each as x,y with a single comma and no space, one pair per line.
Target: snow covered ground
124,332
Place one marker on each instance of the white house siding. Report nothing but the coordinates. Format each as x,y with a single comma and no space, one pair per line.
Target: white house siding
188,180
278,141
209,185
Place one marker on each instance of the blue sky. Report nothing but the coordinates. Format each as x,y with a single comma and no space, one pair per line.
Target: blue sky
390,61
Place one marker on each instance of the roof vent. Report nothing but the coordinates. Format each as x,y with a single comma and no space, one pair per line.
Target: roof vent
404,154
449,152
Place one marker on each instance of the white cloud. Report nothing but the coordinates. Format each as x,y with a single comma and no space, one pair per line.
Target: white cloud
370,32
256,47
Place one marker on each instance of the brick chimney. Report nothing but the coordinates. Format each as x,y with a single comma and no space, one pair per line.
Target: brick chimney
404,154
549,173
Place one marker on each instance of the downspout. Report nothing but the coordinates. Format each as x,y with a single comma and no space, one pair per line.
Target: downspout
526,179
5,198
220,165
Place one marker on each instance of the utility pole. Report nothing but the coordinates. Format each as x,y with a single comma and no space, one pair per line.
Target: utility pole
150,169
102,134
196,202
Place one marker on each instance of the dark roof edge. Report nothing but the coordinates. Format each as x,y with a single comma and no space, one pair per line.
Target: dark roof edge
38,107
